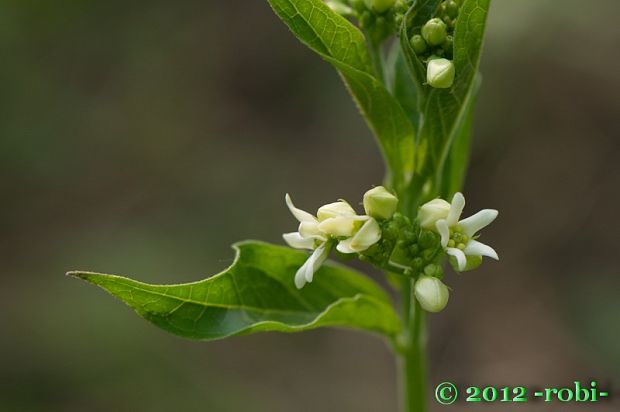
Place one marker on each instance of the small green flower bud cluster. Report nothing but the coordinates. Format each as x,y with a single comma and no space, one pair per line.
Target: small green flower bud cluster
434,45
378,18
407,248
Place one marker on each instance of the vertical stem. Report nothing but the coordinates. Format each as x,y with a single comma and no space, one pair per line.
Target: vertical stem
413,353
376,57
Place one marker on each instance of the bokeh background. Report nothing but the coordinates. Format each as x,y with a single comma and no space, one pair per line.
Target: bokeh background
144,138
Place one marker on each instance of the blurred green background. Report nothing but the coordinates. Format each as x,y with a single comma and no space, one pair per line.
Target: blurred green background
143,138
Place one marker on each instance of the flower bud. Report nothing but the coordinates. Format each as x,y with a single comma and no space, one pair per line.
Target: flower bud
418,44
382,5
433,270
431,293
430,212
428,239
440,73
452,9
434,31
330,210
379,203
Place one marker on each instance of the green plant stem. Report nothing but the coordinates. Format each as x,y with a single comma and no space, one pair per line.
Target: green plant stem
376,57
413,353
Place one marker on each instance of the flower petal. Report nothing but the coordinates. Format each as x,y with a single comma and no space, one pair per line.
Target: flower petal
295,240
474,223
475,248
311,230
368,235
460,257
339,226
339,208
344,246
316,260
444,231
299,214
456,208
300,276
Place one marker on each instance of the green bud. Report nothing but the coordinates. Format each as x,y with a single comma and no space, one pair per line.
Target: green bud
429,254
452,9
431,269
440,73
400,6
428,239
398,20
408,236
418,44
434,31
431,293
418,263
379,203
414,249
382,5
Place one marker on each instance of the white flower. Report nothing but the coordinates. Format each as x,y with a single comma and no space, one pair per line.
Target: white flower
457,236
335,222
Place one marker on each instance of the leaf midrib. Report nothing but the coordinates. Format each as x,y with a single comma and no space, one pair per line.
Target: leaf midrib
245,307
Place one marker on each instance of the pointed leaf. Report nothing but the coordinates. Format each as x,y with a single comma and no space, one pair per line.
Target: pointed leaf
257,294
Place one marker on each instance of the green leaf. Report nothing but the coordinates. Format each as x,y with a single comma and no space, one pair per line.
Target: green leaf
456,164
257,294
343,45
444,110
401,84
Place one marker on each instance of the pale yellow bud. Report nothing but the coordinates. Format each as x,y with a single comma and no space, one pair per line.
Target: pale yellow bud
431,293
379,203
433,211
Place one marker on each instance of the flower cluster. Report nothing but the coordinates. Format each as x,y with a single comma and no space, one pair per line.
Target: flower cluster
393,242
458,240
434,45
338,224
458,237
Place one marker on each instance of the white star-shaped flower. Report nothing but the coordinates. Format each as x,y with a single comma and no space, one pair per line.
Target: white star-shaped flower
458,236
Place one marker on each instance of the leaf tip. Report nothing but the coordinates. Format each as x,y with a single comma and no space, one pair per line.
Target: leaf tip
87,276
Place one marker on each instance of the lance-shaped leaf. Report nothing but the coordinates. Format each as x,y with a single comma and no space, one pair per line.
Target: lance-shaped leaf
444,110
256,294
455,166
343,45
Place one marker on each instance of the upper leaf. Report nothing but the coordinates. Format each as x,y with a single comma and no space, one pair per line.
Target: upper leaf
343,45
256,294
